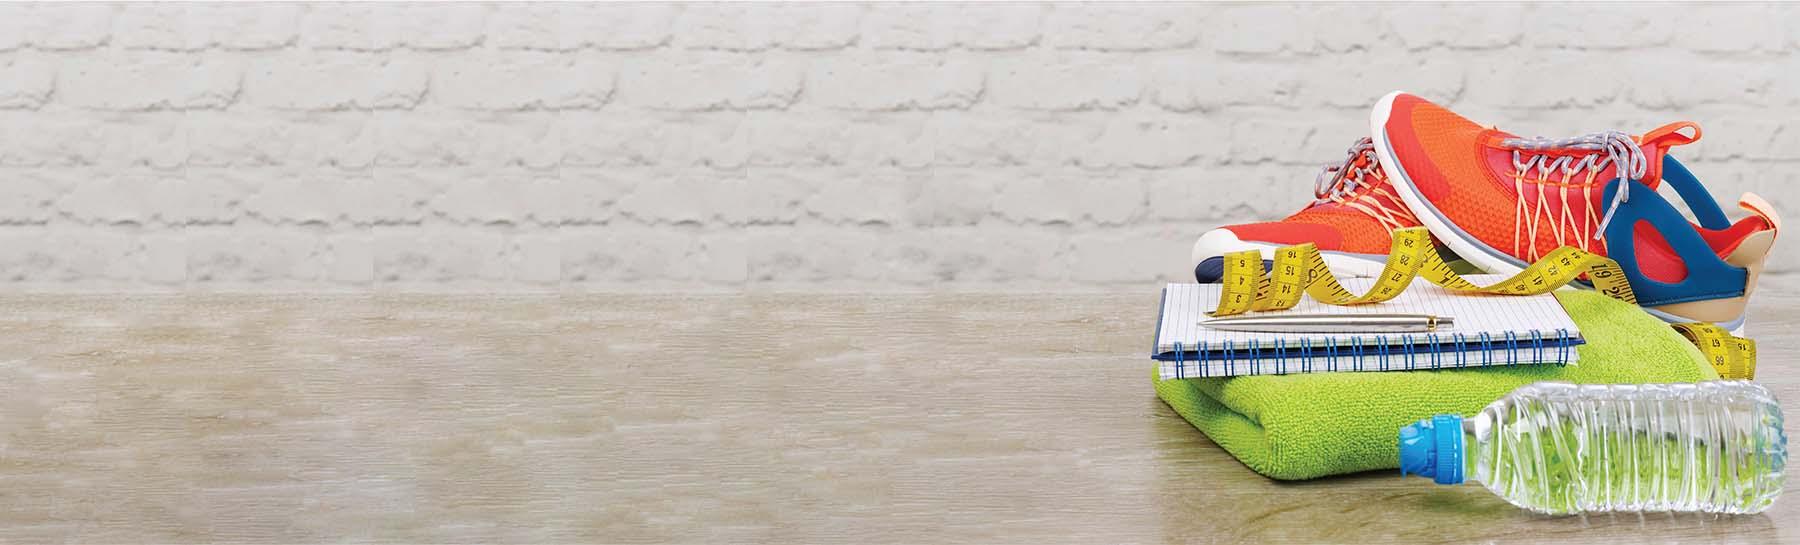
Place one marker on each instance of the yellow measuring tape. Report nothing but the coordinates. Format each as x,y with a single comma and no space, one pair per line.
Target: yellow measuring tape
1301,269
1732,357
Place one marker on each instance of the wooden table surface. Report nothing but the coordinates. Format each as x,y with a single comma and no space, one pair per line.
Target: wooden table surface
1001,418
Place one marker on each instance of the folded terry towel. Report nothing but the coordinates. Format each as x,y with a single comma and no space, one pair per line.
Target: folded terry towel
1305,426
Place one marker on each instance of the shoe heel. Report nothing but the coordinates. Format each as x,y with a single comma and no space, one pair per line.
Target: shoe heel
1751,254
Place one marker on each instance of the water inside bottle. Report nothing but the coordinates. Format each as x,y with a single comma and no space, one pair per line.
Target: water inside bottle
1561,448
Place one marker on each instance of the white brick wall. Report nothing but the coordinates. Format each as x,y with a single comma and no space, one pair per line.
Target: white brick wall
644,146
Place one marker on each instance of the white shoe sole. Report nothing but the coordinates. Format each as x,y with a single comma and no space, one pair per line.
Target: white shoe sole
1735,327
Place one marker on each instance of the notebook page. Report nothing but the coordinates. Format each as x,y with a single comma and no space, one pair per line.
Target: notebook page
1185,306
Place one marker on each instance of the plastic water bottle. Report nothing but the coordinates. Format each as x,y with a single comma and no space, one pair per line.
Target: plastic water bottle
1559,448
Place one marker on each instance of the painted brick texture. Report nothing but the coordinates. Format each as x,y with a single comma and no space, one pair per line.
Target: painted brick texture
552,147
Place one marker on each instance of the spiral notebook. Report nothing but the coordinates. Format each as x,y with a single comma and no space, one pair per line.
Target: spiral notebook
1489,330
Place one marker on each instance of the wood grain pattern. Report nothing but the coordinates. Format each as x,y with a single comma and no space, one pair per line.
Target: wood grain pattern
726,418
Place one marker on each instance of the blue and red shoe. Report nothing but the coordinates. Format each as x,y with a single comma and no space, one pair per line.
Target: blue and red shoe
1501,201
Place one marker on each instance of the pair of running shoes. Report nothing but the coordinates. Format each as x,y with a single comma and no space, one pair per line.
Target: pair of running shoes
1501,201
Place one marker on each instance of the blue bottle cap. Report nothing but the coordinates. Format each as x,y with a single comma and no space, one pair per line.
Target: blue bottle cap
1433,447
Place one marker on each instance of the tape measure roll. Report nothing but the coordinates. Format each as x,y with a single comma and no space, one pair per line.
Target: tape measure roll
1301,269
1732,357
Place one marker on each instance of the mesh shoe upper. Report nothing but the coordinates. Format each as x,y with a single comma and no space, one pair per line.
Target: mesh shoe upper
1521,201
1522,197
1354,210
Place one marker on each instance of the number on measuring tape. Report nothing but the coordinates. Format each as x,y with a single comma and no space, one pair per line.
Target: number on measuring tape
1732,357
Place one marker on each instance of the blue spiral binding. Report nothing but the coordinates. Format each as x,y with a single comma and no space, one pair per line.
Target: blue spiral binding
1384,352
1381,353
1462,350
1406,343
1255,356
1537,346
1487,349
1306,354
1280,357
1230,359
1437,350
1512,348
1401,355
1205,358
1563,342
1178,360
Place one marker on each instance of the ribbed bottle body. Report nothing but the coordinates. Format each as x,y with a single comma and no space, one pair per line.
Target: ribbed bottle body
1559,448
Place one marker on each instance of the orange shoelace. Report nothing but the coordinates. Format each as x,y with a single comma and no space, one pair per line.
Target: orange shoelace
1357,182
1601,150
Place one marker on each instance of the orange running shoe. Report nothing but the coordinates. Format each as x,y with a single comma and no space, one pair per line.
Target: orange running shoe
1351,219
1501,202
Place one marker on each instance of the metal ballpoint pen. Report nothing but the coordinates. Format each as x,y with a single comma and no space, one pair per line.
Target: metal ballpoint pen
1332,323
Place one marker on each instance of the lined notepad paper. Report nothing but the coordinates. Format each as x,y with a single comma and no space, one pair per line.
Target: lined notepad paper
1489,330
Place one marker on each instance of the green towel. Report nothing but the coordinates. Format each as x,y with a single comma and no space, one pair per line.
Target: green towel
1305,426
